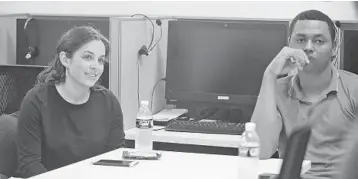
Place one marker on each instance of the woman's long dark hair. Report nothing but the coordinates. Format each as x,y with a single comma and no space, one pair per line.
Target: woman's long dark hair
69,43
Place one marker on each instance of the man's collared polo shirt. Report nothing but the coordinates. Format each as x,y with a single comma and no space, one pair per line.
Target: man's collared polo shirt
331,117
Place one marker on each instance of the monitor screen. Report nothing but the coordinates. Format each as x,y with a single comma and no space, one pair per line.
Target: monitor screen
220,61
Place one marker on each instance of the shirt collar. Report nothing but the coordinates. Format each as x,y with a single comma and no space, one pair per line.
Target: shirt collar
294,88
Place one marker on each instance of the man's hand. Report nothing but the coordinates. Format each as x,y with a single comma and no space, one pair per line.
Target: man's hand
287,60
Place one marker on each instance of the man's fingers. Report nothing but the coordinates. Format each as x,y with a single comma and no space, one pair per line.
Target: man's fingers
298,61
302,56
292,59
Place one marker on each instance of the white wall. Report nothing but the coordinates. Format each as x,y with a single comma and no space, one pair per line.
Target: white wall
344,11
278,10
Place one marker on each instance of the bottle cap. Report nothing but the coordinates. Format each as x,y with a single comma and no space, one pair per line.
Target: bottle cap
144,103
250,126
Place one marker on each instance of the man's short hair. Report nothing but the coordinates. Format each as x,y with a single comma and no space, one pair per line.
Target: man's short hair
314,15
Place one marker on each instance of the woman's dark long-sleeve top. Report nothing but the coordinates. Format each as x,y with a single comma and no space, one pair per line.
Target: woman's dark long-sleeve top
53,132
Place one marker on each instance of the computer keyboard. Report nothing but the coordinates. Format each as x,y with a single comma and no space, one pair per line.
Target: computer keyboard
206,127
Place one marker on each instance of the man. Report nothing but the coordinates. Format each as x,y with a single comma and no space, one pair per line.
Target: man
318,95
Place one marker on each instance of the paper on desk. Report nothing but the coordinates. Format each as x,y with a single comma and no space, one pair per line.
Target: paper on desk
273,166
169,114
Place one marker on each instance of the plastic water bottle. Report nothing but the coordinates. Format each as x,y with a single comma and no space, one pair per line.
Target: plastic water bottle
249,150
144,125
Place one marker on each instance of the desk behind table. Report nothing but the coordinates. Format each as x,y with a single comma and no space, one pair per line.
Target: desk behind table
190,142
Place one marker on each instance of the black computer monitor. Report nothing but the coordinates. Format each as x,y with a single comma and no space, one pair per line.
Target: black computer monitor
216,61
15,81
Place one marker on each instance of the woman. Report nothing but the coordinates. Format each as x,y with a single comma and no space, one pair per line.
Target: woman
68,116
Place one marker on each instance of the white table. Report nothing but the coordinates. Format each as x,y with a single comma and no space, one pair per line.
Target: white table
215,140
173,165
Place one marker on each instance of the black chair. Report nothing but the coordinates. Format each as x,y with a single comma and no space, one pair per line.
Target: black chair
8,151
15,81
294,154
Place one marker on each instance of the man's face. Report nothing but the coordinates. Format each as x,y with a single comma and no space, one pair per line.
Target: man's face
313,36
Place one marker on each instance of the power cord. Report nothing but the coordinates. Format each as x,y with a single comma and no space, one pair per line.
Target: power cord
161,35
138,83
147,50
151,102
337,42
206,113
32,51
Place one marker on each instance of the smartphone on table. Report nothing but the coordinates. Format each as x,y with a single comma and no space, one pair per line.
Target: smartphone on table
117,163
